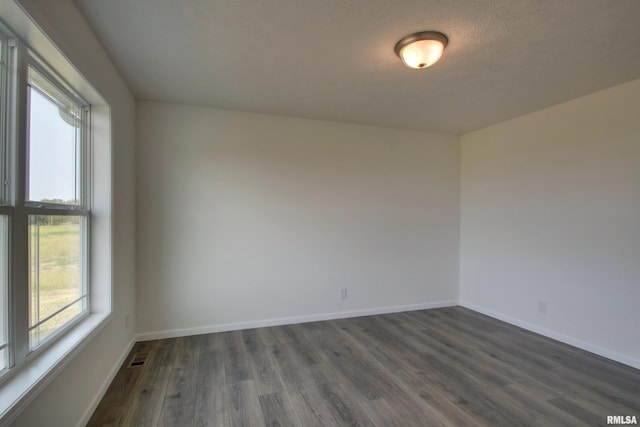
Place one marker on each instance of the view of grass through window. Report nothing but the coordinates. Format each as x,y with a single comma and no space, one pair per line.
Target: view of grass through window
55,258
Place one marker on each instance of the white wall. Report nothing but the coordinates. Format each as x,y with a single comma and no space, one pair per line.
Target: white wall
246,218
68,399
550,211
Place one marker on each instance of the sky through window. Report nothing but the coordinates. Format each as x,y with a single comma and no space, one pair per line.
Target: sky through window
52,152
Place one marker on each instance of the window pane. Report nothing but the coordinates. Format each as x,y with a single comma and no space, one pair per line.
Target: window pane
56,279
54,144
3,113
4,307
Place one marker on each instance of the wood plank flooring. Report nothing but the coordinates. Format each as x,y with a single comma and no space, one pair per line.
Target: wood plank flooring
441,367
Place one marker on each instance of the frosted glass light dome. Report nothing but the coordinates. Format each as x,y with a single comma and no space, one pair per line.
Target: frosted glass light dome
421,50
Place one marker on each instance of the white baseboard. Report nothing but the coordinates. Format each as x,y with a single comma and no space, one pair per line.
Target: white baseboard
106,383
592,348
225,327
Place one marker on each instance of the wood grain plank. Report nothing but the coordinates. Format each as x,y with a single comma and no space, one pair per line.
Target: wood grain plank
327,405
212,391
289,367
342,407
188,352
263,364
178,408
245,405
278,411
237,365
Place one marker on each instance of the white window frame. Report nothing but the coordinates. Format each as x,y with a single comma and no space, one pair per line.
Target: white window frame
32,370
6,210
39,208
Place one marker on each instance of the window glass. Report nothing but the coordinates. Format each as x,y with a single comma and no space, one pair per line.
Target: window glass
3,114
4,306
4,219
56,285
55,156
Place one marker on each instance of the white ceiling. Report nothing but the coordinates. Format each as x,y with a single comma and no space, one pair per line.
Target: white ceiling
334,59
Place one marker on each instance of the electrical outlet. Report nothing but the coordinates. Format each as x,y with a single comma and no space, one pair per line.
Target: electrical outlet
343,294
542,307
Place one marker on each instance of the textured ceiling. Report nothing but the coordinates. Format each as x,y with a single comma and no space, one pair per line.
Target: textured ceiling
334,59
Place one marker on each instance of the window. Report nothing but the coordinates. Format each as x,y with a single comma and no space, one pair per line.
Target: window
4,211
45,206
56,204
45,224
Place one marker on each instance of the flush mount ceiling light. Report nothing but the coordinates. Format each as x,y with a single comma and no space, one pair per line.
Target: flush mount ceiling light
421,50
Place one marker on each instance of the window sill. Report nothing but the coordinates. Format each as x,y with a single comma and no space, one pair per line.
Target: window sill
23,386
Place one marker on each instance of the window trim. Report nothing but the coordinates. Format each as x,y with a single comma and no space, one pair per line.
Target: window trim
5,210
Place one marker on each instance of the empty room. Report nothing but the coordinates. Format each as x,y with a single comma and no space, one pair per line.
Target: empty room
319,213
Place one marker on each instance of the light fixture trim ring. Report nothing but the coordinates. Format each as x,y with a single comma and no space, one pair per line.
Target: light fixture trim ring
422,35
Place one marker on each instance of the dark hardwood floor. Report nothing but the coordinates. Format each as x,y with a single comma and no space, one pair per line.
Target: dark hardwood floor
441,367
